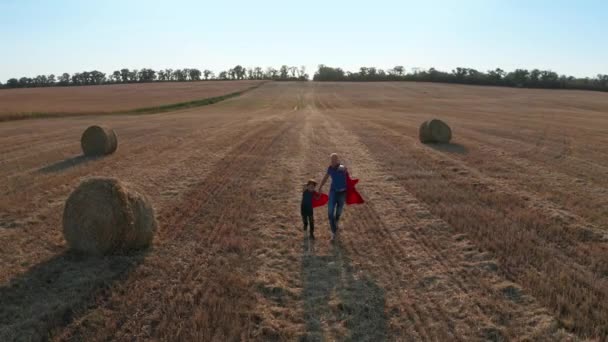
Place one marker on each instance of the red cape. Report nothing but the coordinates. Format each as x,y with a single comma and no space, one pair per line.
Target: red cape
352,195
319,200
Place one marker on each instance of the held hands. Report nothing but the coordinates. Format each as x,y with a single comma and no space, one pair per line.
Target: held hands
318,194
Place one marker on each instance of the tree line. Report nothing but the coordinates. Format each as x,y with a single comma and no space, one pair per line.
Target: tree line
498,77
518,78
95,77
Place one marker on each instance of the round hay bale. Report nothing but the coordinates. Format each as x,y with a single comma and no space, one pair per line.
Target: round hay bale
424,133
98,141
102,216
435,131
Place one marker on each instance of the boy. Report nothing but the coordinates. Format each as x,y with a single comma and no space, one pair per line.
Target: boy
306,208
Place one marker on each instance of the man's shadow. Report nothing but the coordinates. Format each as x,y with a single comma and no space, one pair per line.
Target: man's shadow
51,293
334,294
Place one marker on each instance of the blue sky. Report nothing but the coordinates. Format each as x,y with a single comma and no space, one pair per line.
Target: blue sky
43,37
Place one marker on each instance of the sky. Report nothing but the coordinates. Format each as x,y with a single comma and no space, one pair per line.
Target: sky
56,36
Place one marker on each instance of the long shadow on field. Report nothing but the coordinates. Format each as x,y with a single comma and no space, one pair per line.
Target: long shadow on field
335,297
66,164
449,148
50,294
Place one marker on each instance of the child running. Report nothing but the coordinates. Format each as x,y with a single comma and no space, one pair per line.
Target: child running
306,208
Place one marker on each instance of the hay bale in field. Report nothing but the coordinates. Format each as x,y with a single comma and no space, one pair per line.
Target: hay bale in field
98,141
102,216
435,131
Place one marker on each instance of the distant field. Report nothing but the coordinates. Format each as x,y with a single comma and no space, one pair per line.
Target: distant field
111,98
501,235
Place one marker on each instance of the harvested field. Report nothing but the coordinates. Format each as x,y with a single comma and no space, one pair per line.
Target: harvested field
499,235
110,98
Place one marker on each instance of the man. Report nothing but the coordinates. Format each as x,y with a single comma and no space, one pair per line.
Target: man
337,192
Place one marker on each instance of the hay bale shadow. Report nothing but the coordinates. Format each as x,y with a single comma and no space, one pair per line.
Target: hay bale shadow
67,163
449,148
52,293
333,293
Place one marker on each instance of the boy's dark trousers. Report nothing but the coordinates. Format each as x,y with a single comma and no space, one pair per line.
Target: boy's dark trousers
308,218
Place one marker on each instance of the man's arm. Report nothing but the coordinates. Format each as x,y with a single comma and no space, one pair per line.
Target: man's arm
323,181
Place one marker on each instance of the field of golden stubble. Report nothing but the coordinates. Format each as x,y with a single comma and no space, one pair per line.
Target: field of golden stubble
499,235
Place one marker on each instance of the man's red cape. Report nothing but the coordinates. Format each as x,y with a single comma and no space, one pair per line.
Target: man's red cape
352,195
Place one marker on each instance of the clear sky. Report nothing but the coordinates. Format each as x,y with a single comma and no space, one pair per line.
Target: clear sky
56,36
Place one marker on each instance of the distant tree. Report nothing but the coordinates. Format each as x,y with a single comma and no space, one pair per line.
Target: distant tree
115,76
549,79
169,75
496,76
303,74
223,75
325,73
398,70
134,75
64,79
258,73
363,72
284,72
147,75
250,73
39,81
124,75
180,75
602,80
97,77
207,73
372,73
293,70
238,72
534,78
51,80
195,74
77,79
12,83
272,73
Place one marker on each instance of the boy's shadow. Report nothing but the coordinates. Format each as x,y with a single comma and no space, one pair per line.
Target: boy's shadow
334,294
49,294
